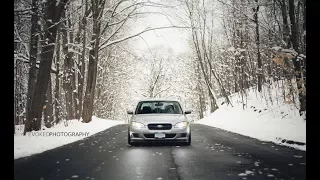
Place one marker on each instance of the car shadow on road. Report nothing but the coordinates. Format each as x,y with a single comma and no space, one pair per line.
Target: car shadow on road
158,144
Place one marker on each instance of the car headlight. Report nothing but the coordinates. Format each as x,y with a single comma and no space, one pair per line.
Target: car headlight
181,124
137,125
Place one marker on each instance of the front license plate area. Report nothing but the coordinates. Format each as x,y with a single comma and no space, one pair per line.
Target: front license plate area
160,135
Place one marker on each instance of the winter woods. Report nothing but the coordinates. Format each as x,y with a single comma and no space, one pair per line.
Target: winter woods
72,59
247,44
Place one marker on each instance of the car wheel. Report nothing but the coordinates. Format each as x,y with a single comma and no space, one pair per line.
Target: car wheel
189,140
129,139
187,143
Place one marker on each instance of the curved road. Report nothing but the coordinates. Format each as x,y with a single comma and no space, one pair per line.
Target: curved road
213,155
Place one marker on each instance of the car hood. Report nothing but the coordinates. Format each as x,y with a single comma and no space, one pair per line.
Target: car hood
158,118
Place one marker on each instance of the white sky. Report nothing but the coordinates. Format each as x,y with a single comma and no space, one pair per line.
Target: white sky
170,38
173,38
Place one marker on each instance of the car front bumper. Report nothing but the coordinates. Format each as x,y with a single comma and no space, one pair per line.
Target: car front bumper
174,134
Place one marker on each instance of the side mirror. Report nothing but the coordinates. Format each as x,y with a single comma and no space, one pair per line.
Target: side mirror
187,112
130,112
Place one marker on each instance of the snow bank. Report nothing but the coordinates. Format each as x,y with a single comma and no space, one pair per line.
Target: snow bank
61,134
264,118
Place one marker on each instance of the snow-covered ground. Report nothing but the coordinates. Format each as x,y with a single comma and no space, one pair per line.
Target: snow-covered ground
63,133
264,118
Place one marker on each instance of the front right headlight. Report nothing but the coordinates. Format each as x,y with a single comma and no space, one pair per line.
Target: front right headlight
137,125
181,124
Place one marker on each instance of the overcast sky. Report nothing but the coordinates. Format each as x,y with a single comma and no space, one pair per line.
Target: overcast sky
176,39
173,38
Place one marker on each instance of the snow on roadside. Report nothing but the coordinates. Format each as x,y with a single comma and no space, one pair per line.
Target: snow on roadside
264,119
59,135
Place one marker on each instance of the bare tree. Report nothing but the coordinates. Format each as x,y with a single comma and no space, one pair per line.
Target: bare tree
296,62
68,74
57,101
79,59
22,28
35,30
199,29
260,74
52,17
97,12
48,108
117,19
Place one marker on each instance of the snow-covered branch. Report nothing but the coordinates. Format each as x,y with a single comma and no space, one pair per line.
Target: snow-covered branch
162,91
137,34
248,17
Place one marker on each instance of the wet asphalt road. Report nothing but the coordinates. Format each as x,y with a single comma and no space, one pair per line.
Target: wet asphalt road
214,154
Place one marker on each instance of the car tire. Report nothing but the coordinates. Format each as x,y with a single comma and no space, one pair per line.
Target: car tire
189,140
188,143
129,139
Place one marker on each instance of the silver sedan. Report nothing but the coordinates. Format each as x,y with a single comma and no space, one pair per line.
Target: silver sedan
159,120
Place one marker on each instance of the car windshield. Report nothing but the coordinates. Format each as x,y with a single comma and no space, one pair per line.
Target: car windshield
152,107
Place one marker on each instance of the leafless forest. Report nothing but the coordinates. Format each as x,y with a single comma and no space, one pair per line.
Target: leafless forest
74,58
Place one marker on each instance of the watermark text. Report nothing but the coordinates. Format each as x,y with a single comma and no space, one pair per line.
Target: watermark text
59,134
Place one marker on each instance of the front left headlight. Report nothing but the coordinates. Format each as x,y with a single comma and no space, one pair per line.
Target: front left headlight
181,124
137,125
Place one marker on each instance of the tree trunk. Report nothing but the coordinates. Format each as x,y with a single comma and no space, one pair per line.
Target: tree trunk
15,95
304,42
297,27
304,28
48,111
258,47
200,92
82,69
213,104
286,33
32,59
82,65
68,75
73,73
14,125
57,85
53,13
90,88
297,65
77,74
93,62
294,36
202,106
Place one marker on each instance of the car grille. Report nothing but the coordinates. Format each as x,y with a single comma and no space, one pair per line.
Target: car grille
171,135
159,126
